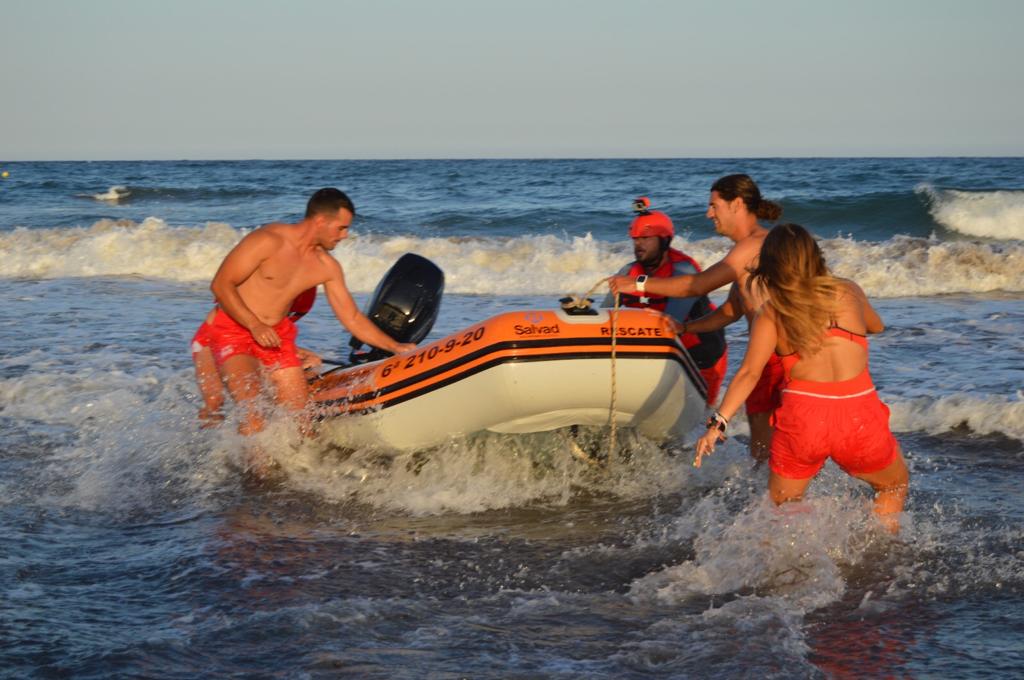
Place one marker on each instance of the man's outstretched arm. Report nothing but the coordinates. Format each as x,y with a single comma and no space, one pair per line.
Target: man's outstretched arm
355,321
728,312
686,285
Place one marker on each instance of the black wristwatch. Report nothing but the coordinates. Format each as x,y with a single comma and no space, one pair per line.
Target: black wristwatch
717,422
641,281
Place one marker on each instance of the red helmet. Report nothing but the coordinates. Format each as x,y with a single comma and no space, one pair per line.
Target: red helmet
650,222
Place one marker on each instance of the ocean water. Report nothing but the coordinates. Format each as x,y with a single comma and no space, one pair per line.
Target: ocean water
132,547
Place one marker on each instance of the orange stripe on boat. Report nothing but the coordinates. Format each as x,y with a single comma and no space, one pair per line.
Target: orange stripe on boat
534,335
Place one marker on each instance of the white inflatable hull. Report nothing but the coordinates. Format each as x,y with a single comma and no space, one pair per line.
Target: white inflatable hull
520,372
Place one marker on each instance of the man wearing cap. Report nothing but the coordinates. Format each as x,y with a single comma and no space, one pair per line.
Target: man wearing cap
652,232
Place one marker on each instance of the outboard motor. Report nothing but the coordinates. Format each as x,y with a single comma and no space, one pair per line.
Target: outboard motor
404,305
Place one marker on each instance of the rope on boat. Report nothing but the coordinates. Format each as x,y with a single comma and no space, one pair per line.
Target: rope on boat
612,421
583,302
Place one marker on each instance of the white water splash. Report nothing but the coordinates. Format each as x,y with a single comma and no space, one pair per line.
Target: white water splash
794,552
483,472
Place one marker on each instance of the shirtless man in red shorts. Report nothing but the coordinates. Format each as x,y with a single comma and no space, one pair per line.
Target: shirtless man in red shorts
251,334
208,378
735,206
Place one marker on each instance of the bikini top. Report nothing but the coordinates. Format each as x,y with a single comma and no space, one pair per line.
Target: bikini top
789,360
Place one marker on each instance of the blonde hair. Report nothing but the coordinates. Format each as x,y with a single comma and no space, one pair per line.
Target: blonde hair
800,288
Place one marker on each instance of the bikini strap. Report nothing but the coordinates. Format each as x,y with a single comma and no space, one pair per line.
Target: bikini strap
840,332
835,331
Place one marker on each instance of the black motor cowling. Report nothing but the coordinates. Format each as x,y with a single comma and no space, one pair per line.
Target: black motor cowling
404,305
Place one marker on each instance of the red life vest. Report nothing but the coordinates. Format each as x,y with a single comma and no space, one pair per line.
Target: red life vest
705,348
664,271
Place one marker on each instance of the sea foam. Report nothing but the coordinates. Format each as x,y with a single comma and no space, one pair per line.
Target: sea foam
114,194
116,248
522,265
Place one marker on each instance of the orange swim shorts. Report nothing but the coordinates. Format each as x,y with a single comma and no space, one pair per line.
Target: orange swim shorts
229,338
809,428
766,394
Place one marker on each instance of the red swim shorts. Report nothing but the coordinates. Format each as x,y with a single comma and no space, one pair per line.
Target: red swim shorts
714,376
765,397
852,430
229,338
202,338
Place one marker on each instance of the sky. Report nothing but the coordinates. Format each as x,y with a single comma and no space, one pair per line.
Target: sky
298,79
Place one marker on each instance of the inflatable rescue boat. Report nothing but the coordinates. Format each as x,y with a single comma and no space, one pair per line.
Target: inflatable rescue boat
523,371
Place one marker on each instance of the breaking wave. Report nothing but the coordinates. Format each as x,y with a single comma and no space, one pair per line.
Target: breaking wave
985,214
521,265
114,194
983,415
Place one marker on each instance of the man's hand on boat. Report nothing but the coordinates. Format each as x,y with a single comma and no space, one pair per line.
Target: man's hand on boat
403,347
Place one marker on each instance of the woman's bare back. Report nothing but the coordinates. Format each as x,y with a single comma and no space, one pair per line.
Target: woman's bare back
839,357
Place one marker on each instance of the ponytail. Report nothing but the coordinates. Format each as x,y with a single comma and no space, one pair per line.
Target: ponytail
731,187
768,210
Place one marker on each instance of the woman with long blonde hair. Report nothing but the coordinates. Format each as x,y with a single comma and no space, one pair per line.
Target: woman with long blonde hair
817,325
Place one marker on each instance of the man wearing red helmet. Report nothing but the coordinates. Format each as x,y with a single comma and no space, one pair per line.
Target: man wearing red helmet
652,232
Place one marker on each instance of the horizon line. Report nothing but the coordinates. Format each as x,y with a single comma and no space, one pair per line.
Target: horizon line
508,158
